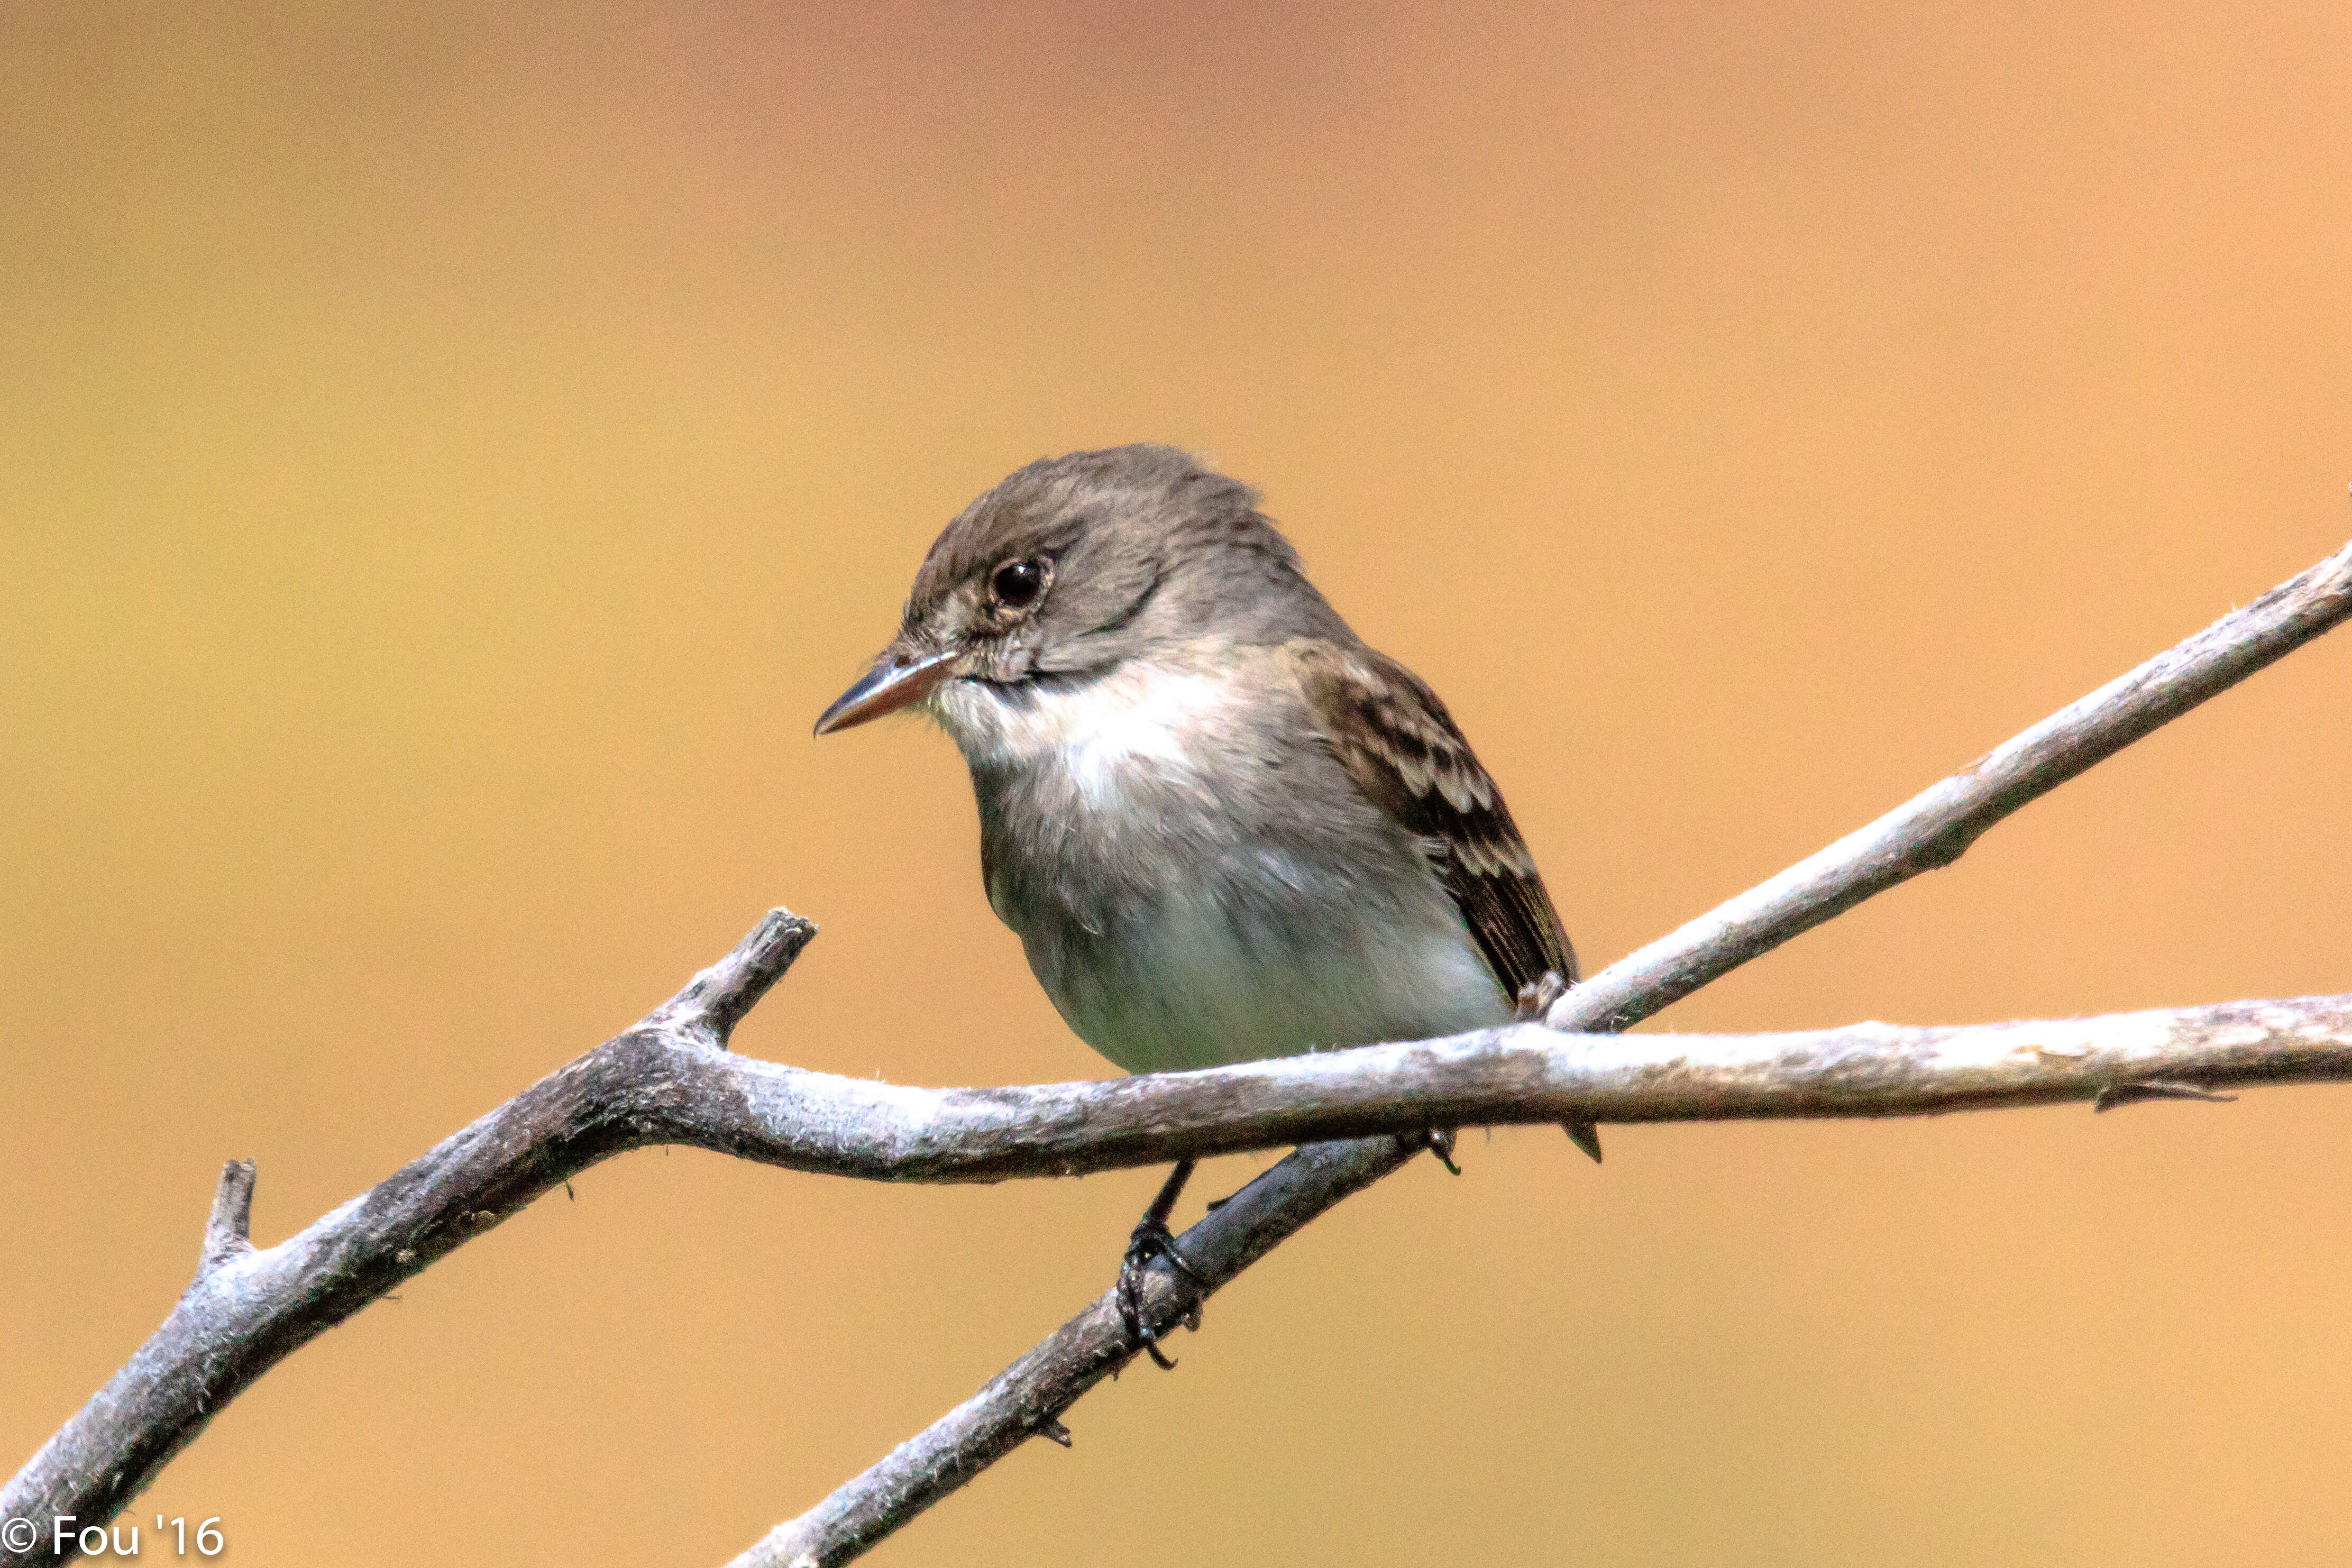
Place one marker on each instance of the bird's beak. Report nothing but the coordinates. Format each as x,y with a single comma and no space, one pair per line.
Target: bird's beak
897,680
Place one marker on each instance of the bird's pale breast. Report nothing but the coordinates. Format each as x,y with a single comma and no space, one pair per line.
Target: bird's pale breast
1191,891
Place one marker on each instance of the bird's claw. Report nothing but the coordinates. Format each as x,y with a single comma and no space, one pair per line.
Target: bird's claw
1152,1238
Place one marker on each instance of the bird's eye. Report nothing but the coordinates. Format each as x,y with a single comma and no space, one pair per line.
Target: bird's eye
1017,583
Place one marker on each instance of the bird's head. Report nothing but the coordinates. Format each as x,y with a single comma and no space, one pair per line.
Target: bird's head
1075,565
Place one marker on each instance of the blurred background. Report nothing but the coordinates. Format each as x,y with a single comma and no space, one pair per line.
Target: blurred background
449,455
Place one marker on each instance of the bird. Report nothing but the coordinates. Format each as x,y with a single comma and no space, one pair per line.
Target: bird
1223,827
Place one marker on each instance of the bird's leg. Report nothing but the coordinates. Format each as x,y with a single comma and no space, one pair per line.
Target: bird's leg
1152,1238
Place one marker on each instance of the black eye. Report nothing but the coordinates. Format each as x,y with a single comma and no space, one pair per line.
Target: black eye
1017,583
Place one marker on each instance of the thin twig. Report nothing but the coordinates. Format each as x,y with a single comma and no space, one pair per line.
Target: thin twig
1935,827
1931,830
229,1231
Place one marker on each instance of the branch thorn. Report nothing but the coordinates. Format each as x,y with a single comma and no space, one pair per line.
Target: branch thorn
2116,1095
1585,1136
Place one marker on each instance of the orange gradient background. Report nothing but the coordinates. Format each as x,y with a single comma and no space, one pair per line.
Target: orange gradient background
449,455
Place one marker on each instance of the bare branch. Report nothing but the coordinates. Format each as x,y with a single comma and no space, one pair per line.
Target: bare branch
1530,1076
1931,830
1935,827
671,1081
249,1308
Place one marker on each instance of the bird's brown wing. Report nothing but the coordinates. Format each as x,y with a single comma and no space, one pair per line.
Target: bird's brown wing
1403,750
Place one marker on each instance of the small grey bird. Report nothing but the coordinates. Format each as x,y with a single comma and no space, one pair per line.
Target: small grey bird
1221,826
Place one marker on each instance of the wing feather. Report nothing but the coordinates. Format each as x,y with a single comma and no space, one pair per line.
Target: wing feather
1402,747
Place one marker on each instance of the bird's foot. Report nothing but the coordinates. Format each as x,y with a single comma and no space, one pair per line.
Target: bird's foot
1152,1238
1151,1241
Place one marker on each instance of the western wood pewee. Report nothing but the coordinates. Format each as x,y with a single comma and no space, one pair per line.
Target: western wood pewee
1223,827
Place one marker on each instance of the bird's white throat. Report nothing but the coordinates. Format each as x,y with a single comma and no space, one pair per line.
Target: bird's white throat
1098,732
